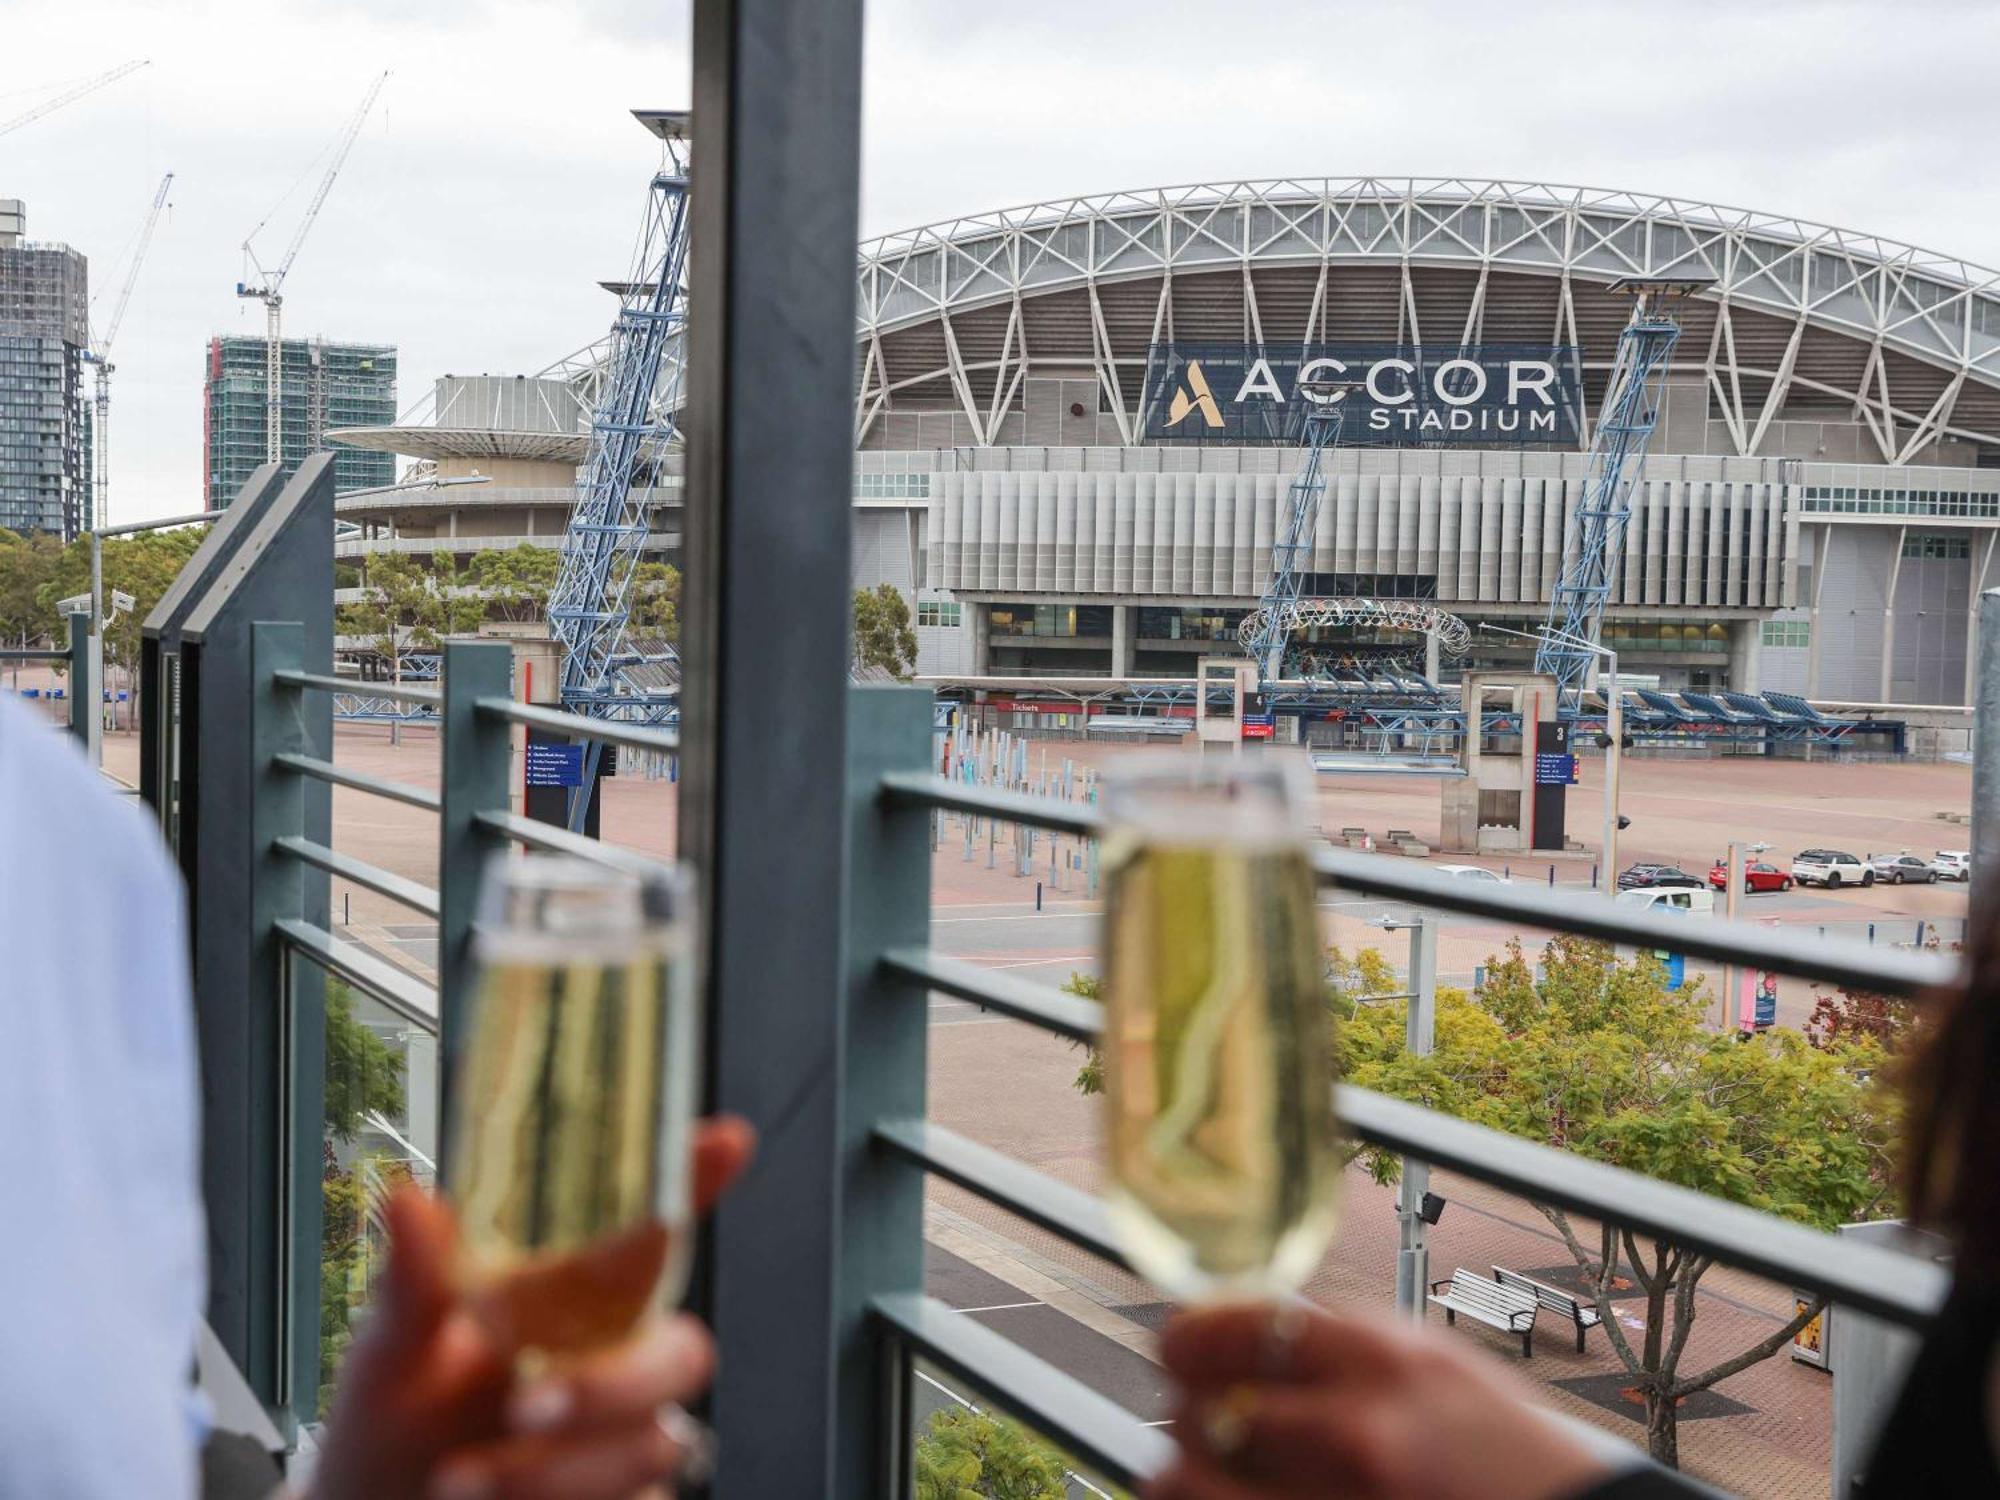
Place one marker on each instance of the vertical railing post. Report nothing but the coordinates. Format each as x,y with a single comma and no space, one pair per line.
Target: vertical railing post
878,1231
295,995
81,687
769,420
1986,760
475,758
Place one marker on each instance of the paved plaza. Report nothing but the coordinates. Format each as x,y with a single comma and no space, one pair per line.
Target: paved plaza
1011,1086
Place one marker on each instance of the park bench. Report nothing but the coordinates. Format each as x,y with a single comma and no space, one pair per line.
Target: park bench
1557,1301
1503,1307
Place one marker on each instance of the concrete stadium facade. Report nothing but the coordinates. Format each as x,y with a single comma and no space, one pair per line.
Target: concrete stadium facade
1817,513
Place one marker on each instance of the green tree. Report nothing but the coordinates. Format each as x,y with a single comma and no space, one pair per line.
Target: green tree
143,566
656,600
516,581
406,606
27,565
1599,1057
966,1455
883,635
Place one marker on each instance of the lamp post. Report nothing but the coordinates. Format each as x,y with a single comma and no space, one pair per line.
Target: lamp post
1419,1032
1732,892
1614,734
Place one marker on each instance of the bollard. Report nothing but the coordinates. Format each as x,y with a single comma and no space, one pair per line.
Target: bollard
1871,934
1038,895
1552,875
1920,932
347,908
1593,875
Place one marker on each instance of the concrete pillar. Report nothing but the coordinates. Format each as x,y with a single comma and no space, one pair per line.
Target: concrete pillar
1822,555
1121,640
1980,577
982,639
1889,614
1744,640
1431,655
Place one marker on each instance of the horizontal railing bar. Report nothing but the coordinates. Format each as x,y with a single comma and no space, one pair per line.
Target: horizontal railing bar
1042,1200
1094,1429
536,834
1898,1287
580,727
985,802
9,654
360,781
1901,1288
1038,1004
1841,961
358,686
405,994
416,896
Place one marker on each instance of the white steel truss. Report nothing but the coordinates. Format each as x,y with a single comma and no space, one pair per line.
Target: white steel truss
1928,325
1405,616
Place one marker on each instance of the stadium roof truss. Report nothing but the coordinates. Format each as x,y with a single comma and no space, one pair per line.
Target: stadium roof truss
953,314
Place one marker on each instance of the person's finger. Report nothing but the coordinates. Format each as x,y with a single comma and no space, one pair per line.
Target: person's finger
723,1146
670,1360
1225,1346
608,1464
1288,1438
416,1293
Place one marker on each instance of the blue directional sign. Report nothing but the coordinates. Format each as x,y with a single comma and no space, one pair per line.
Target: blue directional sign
1555,769
554,765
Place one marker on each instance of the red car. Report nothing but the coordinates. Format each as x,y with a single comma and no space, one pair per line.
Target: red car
1757,876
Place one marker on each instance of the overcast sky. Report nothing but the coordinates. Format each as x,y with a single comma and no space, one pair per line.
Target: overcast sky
500,176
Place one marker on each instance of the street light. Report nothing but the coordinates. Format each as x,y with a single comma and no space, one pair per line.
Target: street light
1416,1207
1614,734
1732,890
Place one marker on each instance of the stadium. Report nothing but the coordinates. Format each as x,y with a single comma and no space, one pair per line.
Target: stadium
1816,512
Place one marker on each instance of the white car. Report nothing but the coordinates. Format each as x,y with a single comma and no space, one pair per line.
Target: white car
1471,872
1952,864
1831,868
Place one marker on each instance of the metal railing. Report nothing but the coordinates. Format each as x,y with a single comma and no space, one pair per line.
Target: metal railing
76,658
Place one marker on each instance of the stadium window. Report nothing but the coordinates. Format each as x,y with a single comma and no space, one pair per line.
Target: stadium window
1930,545
937,612
1787,633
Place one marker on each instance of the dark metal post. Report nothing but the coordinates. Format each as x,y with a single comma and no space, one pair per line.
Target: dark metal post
1986,760
881,1219
288,1207
82,688
777,93
475,759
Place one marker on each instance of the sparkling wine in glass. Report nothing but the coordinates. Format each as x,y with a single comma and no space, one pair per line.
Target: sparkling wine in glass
568,1162
1217,1032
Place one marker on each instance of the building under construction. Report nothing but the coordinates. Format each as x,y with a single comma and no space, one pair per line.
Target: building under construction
326,385
45,472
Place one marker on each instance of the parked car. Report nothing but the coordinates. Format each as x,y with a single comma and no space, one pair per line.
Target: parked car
1471,872
1899,868
1757,876
1646,877
1952,864
1831,868
1698,901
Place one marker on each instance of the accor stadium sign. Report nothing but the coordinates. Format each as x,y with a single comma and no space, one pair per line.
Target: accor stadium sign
1388,395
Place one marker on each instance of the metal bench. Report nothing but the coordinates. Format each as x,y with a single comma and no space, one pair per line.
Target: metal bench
1556,1300
1502,1307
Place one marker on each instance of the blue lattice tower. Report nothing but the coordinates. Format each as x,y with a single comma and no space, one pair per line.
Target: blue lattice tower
590,605
1291,553
1596,542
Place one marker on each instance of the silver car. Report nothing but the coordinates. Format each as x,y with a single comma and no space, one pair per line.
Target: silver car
1898,869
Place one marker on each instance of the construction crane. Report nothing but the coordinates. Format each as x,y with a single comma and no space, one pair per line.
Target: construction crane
100,356
69,96
267,286
1596,542
590,605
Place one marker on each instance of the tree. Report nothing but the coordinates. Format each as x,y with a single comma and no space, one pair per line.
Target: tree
407,606
1599,1057
144,566
516,582
966,1455
27,565
883,635
656,600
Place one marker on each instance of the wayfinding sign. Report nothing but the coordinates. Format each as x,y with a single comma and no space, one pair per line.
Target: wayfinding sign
1388,395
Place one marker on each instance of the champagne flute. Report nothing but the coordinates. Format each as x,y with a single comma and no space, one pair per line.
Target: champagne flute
568,1158
1217,1033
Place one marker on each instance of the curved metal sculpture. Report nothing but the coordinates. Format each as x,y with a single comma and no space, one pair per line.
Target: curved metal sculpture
1410,616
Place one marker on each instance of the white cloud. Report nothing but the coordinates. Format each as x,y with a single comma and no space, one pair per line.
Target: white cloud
501,176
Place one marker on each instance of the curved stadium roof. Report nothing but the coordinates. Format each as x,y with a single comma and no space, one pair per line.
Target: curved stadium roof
1800,316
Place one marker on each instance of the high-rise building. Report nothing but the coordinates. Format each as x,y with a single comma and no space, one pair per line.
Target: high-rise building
45,465
325,385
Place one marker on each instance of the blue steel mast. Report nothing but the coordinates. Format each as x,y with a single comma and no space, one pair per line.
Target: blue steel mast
1596,540
590,605
1266,630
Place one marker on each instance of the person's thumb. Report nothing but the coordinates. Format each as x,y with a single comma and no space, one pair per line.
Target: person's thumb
415,1293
